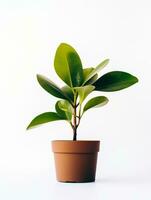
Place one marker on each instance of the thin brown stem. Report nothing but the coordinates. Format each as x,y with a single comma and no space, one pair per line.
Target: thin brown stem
79,116
74,134
74,123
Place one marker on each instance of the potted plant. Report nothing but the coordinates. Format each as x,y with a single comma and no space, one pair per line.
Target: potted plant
76,160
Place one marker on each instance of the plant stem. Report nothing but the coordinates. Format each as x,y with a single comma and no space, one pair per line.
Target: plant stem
74,123
74,134
74,127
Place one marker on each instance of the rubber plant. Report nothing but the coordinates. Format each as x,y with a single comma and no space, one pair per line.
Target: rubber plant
79,83
76,160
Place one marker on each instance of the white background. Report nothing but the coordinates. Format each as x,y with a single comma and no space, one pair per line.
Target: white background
30,31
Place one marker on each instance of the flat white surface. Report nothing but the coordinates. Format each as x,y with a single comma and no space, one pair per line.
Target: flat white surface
40,186
30,31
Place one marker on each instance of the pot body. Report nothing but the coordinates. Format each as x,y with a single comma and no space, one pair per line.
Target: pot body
75,161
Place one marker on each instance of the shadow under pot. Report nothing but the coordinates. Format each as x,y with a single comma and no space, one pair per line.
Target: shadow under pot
75,161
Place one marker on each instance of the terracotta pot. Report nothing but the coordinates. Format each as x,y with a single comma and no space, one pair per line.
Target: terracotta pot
75,161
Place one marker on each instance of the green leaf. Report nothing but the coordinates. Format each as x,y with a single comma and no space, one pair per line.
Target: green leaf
95,102
68,92
86,73
68,65
44,118
64,108
50,87
60,112
92,80
84,91
114,81
96,70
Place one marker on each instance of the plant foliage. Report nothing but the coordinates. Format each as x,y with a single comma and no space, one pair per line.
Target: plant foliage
79,84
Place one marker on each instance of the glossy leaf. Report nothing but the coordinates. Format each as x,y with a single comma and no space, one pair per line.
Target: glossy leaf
50,87
68,65
60,112
68,92
44,118
96,70
86,73
84,91
64,106
95,102
92,80
114,81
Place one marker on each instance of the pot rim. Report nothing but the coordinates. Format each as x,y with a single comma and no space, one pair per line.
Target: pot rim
75,141
78,146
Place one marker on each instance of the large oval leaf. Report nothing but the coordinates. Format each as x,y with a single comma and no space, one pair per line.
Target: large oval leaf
59,111
68,65
68,92
114,81
50,87
95,102
84,91
44,118
63,106
96,70
86,73
64,109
